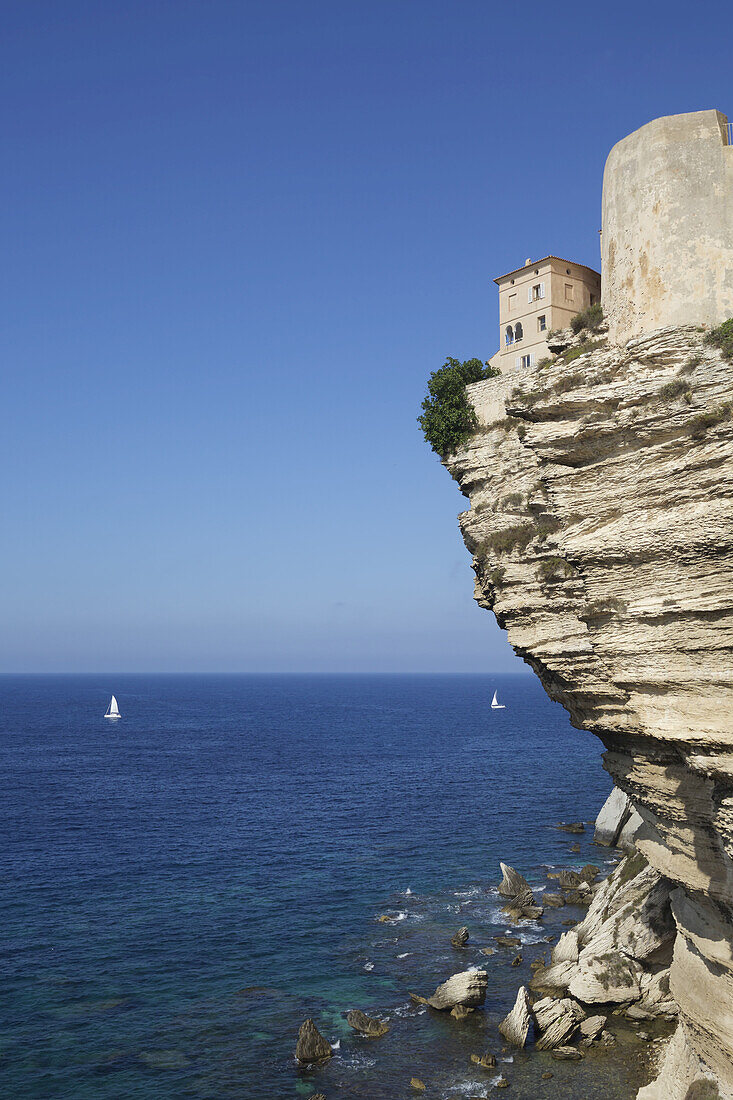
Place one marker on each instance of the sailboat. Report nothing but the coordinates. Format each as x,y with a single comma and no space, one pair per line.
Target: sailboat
495,705
113,711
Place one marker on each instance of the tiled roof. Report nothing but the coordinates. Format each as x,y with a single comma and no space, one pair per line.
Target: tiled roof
519,270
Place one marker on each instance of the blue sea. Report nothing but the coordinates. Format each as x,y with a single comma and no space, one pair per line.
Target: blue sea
181,888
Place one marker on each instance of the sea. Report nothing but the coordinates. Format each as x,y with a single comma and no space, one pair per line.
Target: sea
183,887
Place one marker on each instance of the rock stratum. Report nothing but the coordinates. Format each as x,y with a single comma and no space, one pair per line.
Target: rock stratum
601,528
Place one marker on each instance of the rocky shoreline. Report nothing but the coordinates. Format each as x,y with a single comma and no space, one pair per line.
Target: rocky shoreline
608,970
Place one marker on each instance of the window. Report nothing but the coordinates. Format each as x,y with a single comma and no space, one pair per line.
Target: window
569,295
509,335
523,361
518,331
536,292
542,323
512,303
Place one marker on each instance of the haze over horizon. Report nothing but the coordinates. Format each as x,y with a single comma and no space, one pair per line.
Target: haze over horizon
238,239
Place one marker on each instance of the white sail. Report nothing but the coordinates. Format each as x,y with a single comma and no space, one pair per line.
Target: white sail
113,711
496,705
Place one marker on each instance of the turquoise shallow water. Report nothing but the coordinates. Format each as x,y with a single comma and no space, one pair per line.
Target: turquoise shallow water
182,887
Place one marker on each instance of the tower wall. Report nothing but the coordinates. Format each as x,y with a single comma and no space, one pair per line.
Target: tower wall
667,241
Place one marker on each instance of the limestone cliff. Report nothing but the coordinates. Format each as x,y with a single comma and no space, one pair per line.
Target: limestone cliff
601,525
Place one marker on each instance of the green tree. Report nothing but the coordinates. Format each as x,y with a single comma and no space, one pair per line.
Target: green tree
448,419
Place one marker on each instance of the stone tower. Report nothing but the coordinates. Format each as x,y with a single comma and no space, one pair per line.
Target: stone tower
667,239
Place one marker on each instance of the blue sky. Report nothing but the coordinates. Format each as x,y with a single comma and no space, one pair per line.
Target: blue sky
237,237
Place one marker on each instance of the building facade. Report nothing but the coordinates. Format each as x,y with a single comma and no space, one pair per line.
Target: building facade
536,298
667,243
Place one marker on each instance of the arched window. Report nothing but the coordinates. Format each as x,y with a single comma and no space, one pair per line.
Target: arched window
509,335
518,331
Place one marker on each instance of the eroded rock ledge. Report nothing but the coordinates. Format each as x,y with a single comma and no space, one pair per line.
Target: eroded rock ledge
601,526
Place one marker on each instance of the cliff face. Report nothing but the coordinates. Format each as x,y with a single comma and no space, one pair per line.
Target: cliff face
601,525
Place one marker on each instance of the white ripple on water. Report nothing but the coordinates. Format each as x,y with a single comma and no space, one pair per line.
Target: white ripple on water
404,954
369,966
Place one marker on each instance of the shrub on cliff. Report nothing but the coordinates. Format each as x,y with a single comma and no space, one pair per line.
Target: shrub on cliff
590,319
722,337
448,418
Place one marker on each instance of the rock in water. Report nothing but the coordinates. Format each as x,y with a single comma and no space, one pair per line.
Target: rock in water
311,1046
512,883
592,1027
417,1084
612,818
467,988
567,1054
515,1026
461,937
487,1061
366,1025
557,1020
574,827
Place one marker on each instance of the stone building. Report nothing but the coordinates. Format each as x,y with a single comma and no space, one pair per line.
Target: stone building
535,299
667,239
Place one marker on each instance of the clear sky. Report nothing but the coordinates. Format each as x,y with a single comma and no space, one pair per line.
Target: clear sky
237,237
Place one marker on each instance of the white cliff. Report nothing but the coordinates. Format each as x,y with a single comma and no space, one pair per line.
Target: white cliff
601,528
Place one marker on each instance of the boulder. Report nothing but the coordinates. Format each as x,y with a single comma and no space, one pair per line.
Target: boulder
417,999
417,1084
592,1026
555,900
606,979
366,1025
614,814
311,1046
467,988
487,1061
570,880
557,1021
512,882
589,873
627,836
566,949
574,827
515,1026
578,897
507,941
517,960
501,1082
460,939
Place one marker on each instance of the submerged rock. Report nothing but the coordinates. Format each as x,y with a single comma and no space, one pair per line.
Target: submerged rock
515,1026
311,1046
512,882
417,1084
366,1025
467,988
459,1012
567,1054
575,827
